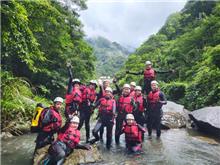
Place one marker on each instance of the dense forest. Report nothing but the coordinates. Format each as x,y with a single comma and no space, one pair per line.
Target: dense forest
189,43
111,56
38,39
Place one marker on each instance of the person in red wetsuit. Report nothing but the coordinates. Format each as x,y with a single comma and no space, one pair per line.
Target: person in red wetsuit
67,140
73,98
141,103
125,105
133,134
103,85
132,91
107,108
149,75
155,100
50,123
88,98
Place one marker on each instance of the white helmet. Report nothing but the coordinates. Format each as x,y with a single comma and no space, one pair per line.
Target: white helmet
108,89
126,86
138,88
148,63
75,119
129,116
93,82
133,84
76,80
154,82
106,80
58,99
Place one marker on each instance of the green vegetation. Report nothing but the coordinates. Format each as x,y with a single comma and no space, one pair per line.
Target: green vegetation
111,56
38,39
189,43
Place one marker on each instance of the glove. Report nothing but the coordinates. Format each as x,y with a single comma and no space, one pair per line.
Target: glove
70,116
88,147
114,80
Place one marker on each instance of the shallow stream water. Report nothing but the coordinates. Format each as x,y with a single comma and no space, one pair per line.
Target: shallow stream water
175,147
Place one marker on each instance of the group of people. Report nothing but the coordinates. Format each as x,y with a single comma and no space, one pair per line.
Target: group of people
133,108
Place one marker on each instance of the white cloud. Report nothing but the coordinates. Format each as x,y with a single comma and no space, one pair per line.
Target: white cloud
127,22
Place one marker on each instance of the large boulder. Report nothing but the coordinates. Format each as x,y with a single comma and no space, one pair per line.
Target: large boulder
79,156
173,116
207,119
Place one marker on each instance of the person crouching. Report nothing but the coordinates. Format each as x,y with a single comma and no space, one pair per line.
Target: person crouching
133,134
68,139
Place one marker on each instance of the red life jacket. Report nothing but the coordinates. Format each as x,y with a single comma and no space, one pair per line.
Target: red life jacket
153,97
132,93
124,104
106,105
54,120
71,137
132,133
149,74
82,88
89,93
75,96
139,99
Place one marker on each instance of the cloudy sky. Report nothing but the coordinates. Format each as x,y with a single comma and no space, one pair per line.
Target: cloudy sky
128,22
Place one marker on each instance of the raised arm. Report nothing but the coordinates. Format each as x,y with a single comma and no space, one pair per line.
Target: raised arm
69,88
135,73
162,71
118,90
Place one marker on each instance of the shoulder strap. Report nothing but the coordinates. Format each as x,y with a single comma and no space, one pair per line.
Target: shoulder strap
46,118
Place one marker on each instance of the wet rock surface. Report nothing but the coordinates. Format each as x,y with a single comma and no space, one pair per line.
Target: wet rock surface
207,120
79,156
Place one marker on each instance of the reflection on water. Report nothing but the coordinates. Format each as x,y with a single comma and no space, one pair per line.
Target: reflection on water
176,146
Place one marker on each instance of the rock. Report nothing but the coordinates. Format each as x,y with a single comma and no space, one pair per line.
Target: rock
207,140
79,156
173,116
5,135
173,107
207,120
23,127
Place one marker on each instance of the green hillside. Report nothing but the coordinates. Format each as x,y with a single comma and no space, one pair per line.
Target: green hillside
189,43
110,55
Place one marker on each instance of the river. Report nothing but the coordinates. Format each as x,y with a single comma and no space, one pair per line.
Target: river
176,146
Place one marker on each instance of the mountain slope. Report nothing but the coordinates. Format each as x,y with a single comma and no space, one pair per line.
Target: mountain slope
110,55
189,43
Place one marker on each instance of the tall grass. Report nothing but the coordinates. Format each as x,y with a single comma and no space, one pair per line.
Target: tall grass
17,99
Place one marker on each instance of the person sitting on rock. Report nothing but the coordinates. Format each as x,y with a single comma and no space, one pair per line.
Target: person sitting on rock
133,134
107,108
155,100
50,123
68,139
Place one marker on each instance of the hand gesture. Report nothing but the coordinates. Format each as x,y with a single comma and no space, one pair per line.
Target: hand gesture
100,82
